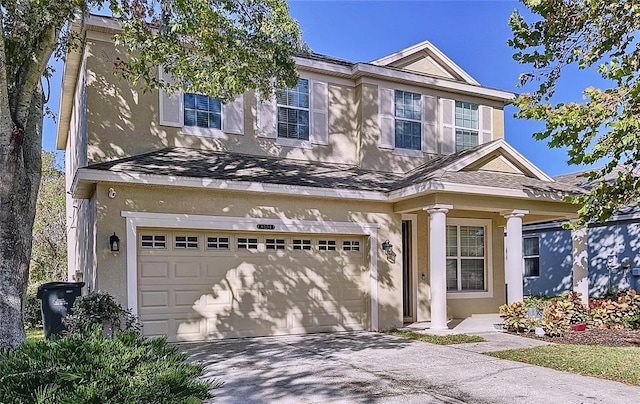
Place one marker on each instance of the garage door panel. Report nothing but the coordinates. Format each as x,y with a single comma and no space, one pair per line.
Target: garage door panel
154,299
193,295
154,270
186,270
156,328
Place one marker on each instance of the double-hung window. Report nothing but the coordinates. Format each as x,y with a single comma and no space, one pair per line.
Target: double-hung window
531,253
202,111
408,120
293,111
466,258
467,124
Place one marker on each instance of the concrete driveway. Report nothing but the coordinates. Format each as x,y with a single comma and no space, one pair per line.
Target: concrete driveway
369,367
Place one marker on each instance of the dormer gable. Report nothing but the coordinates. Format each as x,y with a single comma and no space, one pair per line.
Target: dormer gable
498,157
425,58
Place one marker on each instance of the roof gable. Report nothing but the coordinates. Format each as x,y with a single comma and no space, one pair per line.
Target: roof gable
499,157
425,58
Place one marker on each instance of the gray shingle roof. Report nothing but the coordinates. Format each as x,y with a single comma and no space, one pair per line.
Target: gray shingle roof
184,162
579,179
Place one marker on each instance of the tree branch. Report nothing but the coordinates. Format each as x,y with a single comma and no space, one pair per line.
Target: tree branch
30,78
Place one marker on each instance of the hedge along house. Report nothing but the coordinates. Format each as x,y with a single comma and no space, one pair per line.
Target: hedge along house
369,195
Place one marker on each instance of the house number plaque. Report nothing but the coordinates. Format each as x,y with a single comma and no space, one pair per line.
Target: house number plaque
266,227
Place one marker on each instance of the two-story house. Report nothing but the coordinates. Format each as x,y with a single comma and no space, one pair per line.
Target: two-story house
369,195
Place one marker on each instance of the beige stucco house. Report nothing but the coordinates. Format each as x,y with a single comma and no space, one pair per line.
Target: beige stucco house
370,195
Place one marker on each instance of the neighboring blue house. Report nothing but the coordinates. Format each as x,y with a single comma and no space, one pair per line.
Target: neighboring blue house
547,249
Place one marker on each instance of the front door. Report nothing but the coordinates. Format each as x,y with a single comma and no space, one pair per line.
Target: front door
407,278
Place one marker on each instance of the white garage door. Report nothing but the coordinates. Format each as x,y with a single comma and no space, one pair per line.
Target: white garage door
204,285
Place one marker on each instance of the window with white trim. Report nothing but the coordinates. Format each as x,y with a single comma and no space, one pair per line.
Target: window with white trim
327,245
189,242
202,111
274,244
466,258
351,245
408,120
466,125
153,241
531,254
301,244
293,111
217,243
246,243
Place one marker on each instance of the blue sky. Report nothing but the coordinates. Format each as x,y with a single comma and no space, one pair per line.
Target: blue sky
472,33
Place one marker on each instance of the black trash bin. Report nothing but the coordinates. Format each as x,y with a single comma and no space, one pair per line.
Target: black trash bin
57,301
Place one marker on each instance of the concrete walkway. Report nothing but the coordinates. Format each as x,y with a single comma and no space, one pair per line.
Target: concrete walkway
365,367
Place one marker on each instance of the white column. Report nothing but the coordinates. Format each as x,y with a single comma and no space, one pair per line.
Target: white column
514,262
438,264
580,263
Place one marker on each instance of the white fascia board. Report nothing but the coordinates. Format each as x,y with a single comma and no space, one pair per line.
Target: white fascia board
323,66
88,175
386,60
432,186
362,69
498,144
172,220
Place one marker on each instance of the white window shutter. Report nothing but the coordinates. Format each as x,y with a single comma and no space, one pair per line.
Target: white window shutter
448,141
170,106
486,116
386,118
429,124
267,123
319,113
233,116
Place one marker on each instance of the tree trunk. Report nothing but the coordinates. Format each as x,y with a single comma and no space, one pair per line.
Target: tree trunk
20,171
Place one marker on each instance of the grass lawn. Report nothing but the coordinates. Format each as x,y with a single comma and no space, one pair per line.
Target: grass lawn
612,363
34,334
438,339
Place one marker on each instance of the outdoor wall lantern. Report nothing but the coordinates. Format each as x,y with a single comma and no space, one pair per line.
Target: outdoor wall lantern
114,242
387,247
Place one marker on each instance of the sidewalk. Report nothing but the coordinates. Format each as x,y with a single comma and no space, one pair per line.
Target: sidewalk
488,326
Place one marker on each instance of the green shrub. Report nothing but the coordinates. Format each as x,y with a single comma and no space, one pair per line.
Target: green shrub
515,316
32,309
99,308
621,311
560,313
92,368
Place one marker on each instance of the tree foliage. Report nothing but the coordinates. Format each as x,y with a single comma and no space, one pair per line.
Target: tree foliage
49,253
220,48
595,35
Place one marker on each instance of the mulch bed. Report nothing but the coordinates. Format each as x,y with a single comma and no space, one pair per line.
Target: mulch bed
593,336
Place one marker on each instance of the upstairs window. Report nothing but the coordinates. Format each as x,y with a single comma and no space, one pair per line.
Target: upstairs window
202,111
467,134
531,253
408,120
293,111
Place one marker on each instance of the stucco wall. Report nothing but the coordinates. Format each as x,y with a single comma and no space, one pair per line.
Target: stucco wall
124,120
619,239
556,264
111,268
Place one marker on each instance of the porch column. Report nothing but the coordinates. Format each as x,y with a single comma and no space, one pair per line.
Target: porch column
514,262
580,263
438,264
